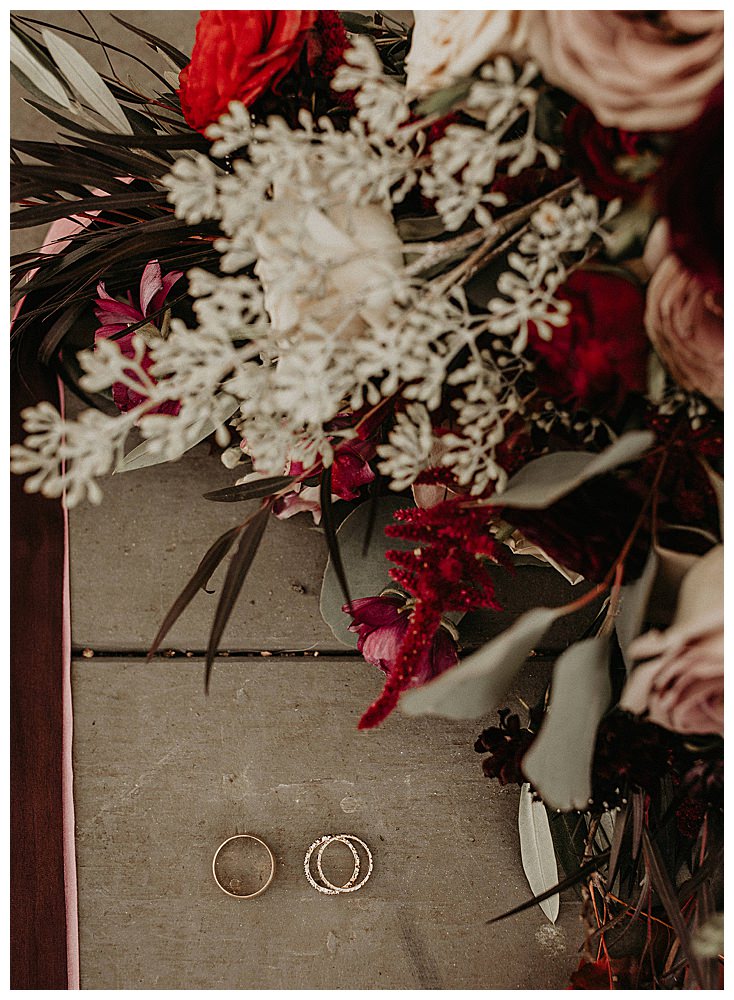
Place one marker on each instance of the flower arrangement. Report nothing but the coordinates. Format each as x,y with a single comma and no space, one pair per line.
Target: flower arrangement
477,263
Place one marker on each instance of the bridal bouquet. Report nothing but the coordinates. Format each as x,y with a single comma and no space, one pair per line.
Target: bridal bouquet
471,274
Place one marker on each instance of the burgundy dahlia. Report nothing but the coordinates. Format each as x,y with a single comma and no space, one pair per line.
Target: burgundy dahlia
611,162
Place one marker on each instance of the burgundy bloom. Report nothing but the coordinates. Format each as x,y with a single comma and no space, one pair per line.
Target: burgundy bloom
115,316
606,159
691,194
445,571
586,530
382,624
326,44
506,745
350,471
600,355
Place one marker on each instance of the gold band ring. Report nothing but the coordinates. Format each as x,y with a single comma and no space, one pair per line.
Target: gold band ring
240,895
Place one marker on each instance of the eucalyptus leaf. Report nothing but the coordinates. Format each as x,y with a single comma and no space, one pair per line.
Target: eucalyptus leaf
368,571
537,851
86,81
479,684
634,600
558,763
547,479
144,456
672,566
444,100
34,74
717,484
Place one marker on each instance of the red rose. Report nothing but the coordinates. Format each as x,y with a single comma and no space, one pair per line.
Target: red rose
611,162
600,355
237,55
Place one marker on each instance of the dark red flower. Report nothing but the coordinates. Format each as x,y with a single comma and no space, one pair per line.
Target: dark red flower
691,194
506,745
327,44
611,162
382,623
238,55
586,530
446,570
600,355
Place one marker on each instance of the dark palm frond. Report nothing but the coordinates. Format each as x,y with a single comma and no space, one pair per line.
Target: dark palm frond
28,39
239,567
174,54
327,519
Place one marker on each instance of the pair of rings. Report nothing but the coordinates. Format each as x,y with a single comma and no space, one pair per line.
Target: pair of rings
325,886
234,886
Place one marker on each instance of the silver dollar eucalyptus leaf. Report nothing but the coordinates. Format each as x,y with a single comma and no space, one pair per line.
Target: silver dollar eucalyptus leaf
478,685
633,605
547,479
558,763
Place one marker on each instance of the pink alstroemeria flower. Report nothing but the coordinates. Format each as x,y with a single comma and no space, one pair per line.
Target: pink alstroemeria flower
381,623
349,473
115,316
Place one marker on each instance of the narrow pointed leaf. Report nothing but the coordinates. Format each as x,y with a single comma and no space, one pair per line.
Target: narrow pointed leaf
37,74
545,480
174,54
198,581
144,456
566,883
666,891
327,519
559,761
256,488
239,566
717,484
85,80
620,826
368,572
479,684
537,851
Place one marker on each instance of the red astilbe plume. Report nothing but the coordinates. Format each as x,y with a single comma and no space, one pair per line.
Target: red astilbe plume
446,571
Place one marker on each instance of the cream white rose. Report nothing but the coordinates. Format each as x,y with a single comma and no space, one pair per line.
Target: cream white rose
331,267
450,44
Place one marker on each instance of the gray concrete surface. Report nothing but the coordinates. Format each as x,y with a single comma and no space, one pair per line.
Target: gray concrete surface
163,774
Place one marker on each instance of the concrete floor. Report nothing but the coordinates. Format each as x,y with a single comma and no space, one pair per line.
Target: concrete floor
164,774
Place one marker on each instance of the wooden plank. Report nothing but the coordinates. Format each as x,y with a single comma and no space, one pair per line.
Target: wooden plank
163,775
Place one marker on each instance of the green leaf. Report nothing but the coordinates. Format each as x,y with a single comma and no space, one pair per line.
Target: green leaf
86,81
479,684
634,600
537,851
144,456
368,571
442,101
547,479
558,763
263,486
35,73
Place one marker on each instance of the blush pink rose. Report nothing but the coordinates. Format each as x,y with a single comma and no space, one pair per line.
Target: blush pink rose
636,70
680,680
684,320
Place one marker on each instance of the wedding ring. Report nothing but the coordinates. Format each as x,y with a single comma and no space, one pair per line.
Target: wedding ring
235,882
328,888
